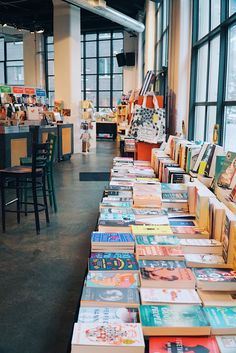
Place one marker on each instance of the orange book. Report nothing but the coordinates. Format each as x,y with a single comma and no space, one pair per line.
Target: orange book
155,252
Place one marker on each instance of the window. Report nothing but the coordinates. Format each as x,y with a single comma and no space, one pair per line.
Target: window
2,61
213,75
11,62
50,70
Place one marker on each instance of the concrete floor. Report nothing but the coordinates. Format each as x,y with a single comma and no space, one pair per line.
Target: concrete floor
41,276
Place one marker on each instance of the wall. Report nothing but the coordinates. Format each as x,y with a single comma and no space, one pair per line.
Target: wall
130,73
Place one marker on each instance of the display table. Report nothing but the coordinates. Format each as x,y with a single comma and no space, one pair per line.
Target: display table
106,130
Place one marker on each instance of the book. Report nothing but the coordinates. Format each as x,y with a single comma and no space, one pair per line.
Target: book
169,320
216,218
112,279
153,296
150,211
113,264
162,263
201,246
119,204
159,277
215,279
163,240
182,223
155,252
222,319
227,344
200,156
190,232
117,226
173,188
217,298
151,230
107,315
100,237
202,210
107,338
108,255
121,297
151,219
229,238
183,345
205,260
172,197
228,170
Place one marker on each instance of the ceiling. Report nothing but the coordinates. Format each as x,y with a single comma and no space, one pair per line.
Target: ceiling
35,14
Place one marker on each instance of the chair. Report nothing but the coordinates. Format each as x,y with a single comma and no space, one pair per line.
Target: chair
27,161
22,178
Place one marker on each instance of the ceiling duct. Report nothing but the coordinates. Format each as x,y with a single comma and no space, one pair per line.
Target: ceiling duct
100,8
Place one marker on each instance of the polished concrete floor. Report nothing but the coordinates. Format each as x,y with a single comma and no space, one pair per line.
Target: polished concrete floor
41,276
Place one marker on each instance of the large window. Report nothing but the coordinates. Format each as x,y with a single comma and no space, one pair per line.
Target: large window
102,79
11,62
213,76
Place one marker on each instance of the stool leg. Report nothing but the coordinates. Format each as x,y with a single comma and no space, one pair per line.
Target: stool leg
49,188
45,197
35,201
18,200
25,197
2,185
53,192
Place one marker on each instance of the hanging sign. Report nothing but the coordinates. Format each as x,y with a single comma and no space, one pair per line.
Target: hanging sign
5,89
40,92
18,90
30,91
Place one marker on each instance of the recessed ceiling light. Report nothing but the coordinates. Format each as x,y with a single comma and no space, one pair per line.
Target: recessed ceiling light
40,31
5,25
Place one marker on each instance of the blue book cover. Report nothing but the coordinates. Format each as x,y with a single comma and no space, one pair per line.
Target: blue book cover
221,316
164,240
181,223
108,255
99,237
113,264
162,264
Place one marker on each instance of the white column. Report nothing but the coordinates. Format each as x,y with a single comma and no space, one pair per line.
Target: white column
140,61
130,72
150,36
34,64
179,67
67,62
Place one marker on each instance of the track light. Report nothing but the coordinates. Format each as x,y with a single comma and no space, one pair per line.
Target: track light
40,31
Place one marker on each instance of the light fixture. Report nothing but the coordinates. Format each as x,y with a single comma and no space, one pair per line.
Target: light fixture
40,31
5,25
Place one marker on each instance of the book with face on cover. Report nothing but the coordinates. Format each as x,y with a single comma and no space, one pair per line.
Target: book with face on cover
228,170
106,315
215,279
169,320
210,298
163,240
227,344
108,338
167,277
155,252
222,319
161,263
119,297
112,279
113,264
153,296
183,345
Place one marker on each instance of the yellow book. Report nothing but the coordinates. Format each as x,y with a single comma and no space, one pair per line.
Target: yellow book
151,230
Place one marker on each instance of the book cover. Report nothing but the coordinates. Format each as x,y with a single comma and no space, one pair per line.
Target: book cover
162,264
193,231
113,264
205,260
99,237
108,315
117,217
228,169
110,295
151,230
183,345
108,255
215,275
221,316
125,204
173,316
169,296
179,188
112,279
174,196
150,211
166,275
182,223
113,335
227,344
163,240
161,251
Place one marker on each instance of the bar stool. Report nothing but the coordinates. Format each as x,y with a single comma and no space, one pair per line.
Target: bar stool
31,178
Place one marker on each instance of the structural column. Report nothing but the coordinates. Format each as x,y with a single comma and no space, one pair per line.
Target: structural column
67,61
150,36
130,72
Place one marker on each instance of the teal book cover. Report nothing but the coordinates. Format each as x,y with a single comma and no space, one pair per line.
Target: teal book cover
227,171
108,255
113,264
162,264
173,316
164,240
111,295
221,316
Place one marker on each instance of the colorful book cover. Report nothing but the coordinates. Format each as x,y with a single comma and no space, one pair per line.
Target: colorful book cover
99,237
215,275
161,263
166,187
228,170
111,295
125,222
167,274
151,230
113,264
125,204
109,255
112,210
187,230
173,316
169,295
227,344
200,242
183,345
111,335
157,240
204,259
155,250
173,196
182,223
150,211
112,279
221,316
108,315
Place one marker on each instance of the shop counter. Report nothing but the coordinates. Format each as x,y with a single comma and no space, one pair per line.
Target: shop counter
106,130
65,141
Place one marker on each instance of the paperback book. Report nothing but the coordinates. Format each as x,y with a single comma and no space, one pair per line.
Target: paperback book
155,252
217,298
113,264
107,315
163,240
222,319
112,279
161,263
151,230
215,279
153,296
227,344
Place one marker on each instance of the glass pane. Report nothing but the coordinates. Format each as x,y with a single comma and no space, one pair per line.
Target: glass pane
199,123
104,82
2,78
116,98
1,49
92,96
117,82
232,7
165,50
105,48
82,83
164,15
117,46
91,82
51,98
51,55
104,65
158,25
50,40
91,49
203,21
82,66
82,37
82,49
158,56
104,99
91,66
231,65
118,35
15,75
15,51
215,13
116,68
51,83
50,67
92,36
104,35
211,120
201,73
230,129
214,69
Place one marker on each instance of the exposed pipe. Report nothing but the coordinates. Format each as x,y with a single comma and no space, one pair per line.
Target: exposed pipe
110,14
